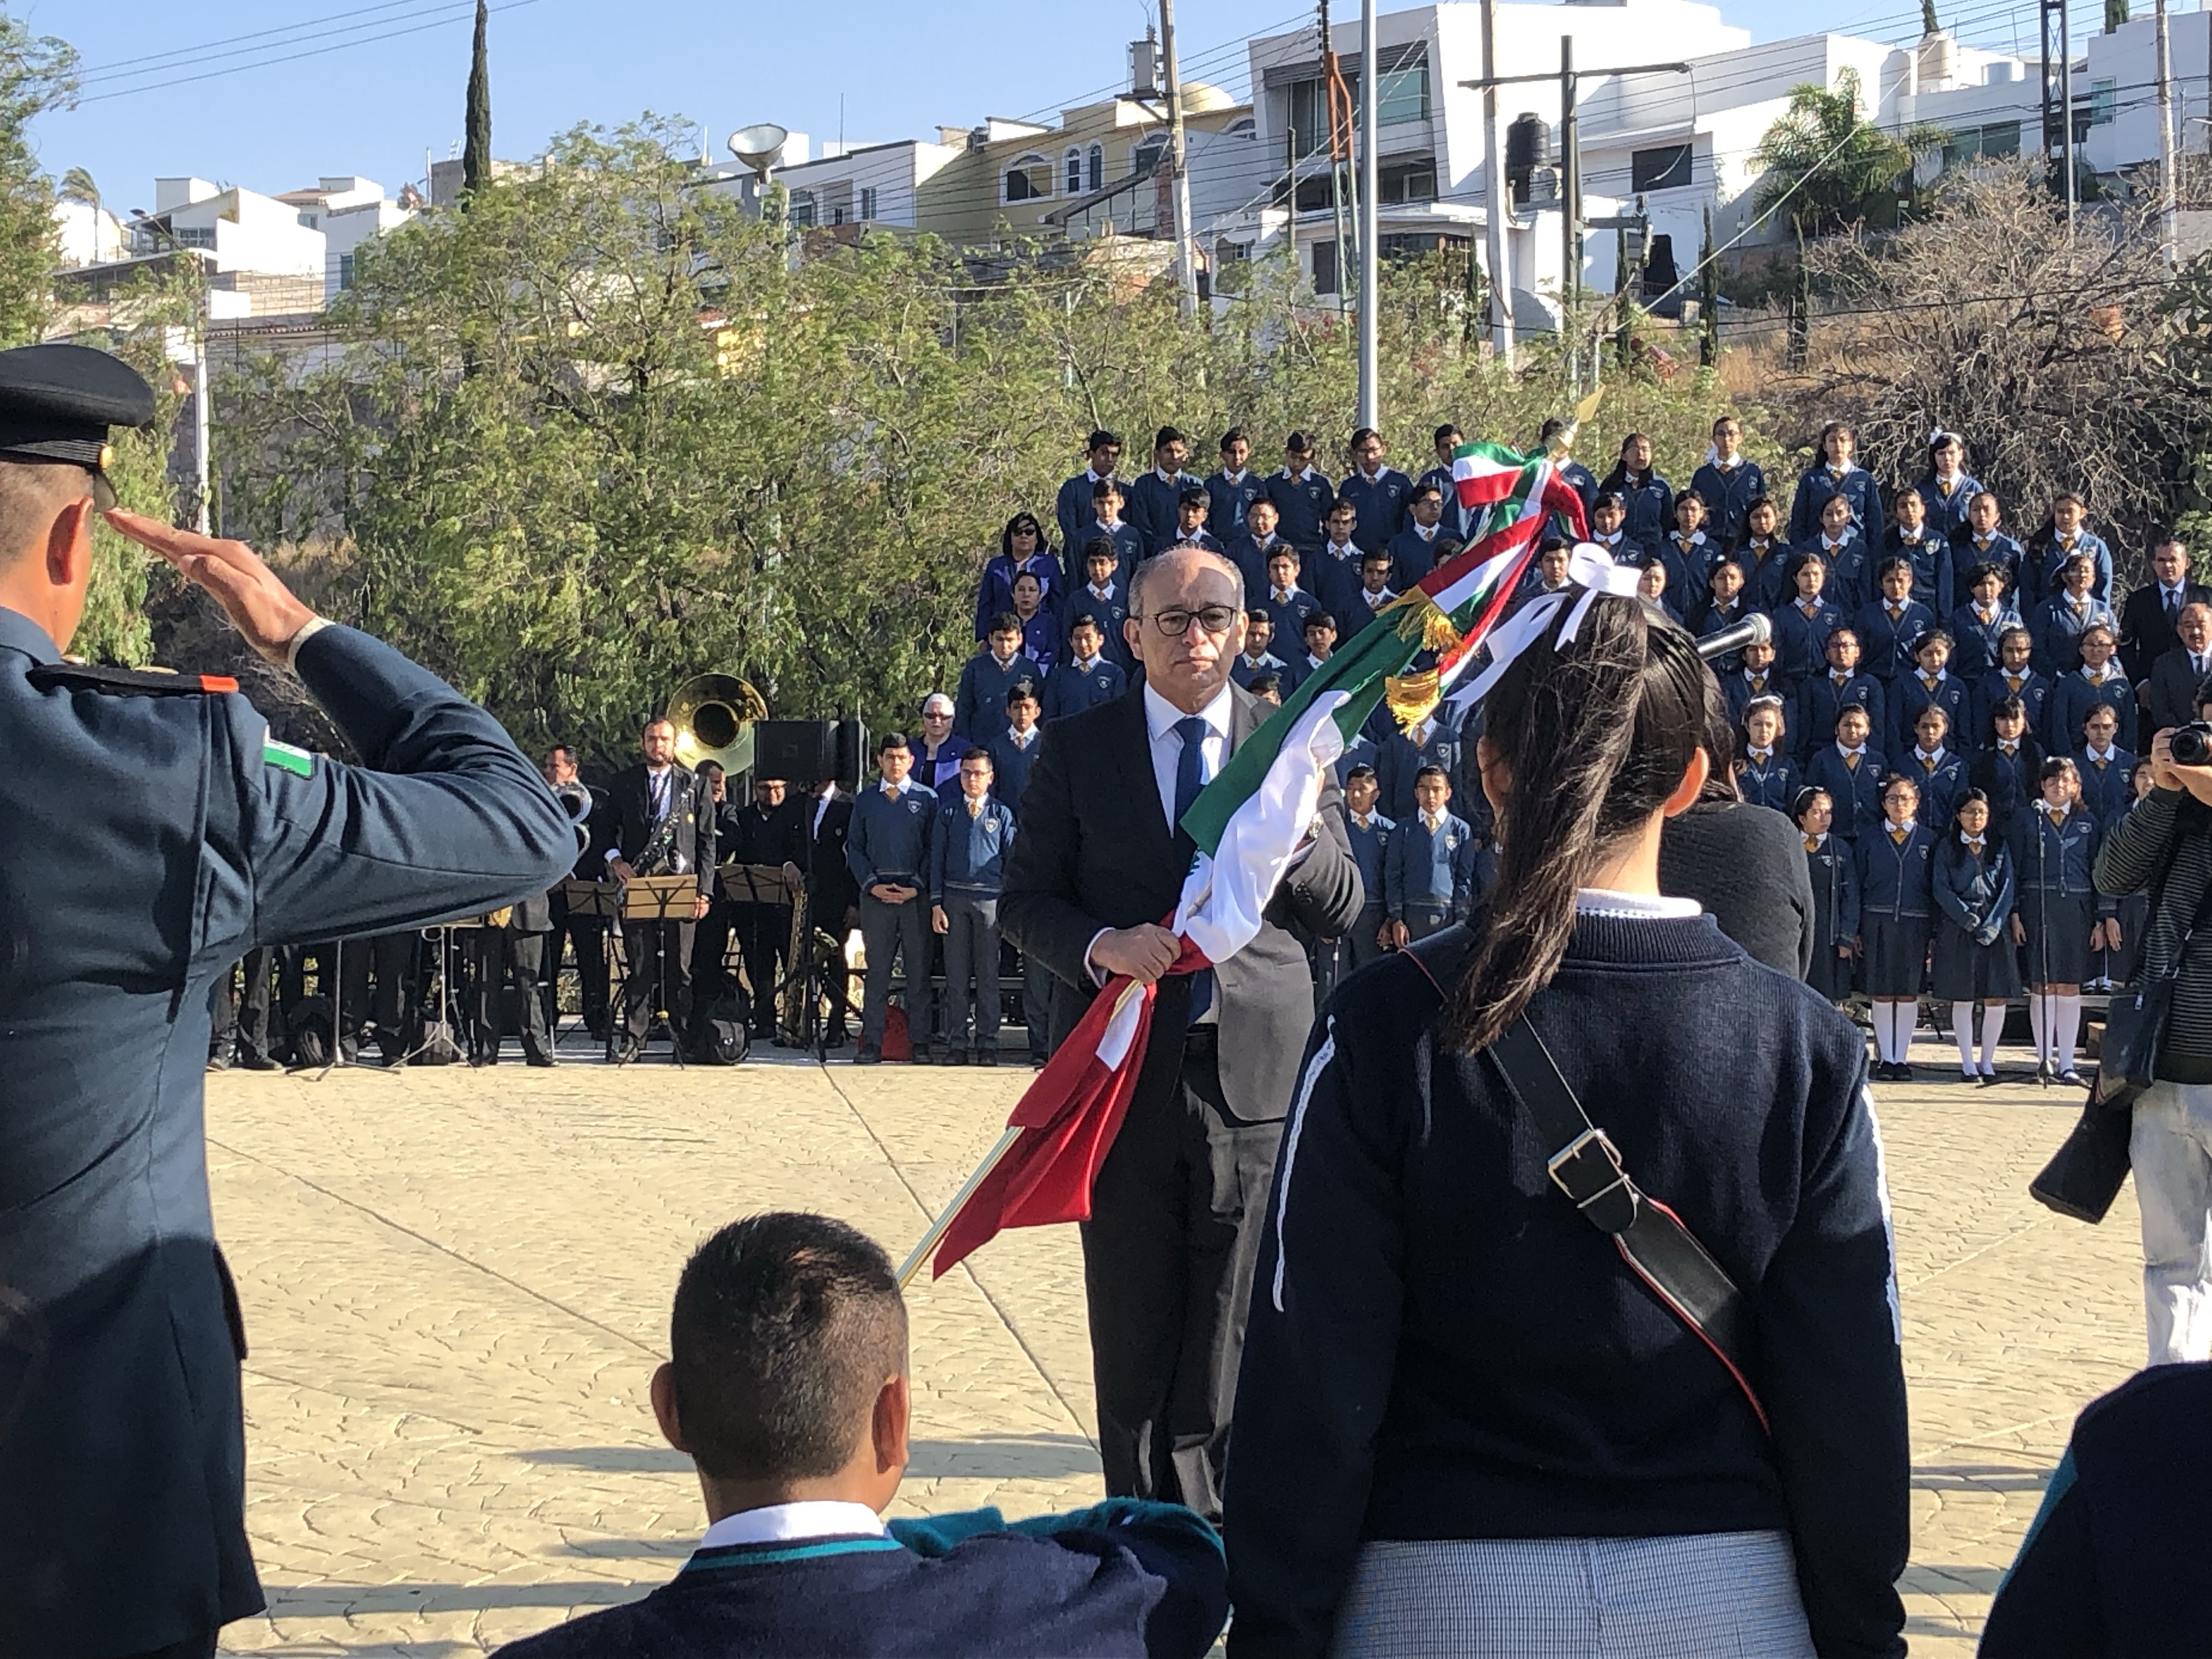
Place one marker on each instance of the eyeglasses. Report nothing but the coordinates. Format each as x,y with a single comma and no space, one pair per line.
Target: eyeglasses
1214,618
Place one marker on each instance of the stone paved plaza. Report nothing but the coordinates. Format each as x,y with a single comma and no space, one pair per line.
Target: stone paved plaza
456,1283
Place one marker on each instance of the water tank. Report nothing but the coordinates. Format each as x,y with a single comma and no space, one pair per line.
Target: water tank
1528,147
2001,73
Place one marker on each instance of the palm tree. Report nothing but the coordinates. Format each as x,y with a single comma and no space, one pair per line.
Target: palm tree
1825,164
76,185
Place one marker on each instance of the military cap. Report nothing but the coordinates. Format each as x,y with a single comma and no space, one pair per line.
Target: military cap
58,402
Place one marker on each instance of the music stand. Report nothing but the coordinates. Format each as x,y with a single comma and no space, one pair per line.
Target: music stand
602,899
657,899
446,1017
758,886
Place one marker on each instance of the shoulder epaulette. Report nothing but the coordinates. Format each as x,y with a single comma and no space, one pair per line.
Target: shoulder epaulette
129,682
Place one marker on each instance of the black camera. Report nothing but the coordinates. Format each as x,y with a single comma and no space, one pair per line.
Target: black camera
2192,744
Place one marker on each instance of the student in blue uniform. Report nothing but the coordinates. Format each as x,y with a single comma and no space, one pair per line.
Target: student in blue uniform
1895,901
2008,771
1947,490
1428,868
986,677
1442,444
1319,631
1376,592
1691,552
1104,598
1419,548
1850,556
1021,547
787,1386
887,849
1040,636
1286,604
1331,572
1836,473
1107,522
1013,747
1758,677
2098,683
1852,773
1985,542
1250,552
1656,589
1931,683
1376,490
1268,688
2013,677
2105,765
1190,529
1302,496
1438,738
1912,538
1929,761
1766,774
1834,876
1075,508
2059,621
1980,623
1764,554
1802,626
1369,830
2059,912
1608,524
1232,488
1845,685
1647,497
967,862
1891,625
1723,606
1975,960
1256,659
1154,494
1088,678
2065,534
1727,482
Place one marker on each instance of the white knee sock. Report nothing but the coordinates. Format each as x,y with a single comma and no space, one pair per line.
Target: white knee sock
2070,1030
1880,1012
1962,1030
2038,1002
1993,1019
1907,1016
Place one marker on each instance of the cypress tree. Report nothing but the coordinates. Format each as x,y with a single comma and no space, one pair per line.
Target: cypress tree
475,150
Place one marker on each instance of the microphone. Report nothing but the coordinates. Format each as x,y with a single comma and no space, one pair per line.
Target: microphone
1754,630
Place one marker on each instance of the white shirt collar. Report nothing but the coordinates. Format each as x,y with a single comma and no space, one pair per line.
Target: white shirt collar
1021,739
1888,828
1105,593
1300,477
783,1523
1161,715
1238,476
1433,821
1759,756
1658,906
2096,754
1859,750
1428,532
1088,665
1376,601
1164,475
1923,757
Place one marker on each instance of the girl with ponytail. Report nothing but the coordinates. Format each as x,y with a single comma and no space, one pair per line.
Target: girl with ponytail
1463,1423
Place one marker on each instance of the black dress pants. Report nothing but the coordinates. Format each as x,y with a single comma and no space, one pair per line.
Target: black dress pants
658,969
1176,1218
764,936
588,933
503,966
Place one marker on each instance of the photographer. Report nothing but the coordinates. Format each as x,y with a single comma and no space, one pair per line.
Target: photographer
2164,847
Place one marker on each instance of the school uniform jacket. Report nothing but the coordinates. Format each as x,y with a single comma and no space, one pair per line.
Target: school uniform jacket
2057,626
1887,634
2011,784
2105,791
1766,570
1010,763
1912,696
1822,698
1856,791
1743,685
967,851
1381,503
1930,555
1244,671
1941,784
1370,844
1249,554
1834,873
1302,505
1151,507
1227,498
979,706
1728,493
2060,857
1968,549
1077,515
1110,613
2034,690
1649,501
2044,563
1975,891
1430,870
1712,617
2075,695
1816,484
1850,585
1947,509
1444,743
1288,617
1801,638
1974,650
1895,879
1773,781
1413,554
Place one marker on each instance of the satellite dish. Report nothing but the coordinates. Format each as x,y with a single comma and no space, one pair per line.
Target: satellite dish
757,147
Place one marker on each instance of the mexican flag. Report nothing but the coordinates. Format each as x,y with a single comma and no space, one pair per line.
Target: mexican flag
1249,822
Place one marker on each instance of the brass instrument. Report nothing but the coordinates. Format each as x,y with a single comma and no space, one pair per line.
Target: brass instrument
713,714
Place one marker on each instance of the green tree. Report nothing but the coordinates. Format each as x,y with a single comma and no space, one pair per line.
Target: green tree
1826,165
475,148
77,186
37,73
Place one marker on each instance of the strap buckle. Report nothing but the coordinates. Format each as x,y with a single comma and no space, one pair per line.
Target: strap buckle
1587,1181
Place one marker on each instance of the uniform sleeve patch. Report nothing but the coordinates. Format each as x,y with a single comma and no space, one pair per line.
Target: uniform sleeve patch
285,758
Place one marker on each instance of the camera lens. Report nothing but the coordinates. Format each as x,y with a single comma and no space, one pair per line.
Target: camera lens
2192,744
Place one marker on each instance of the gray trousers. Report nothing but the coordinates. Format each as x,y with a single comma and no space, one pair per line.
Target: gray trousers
886,930
971,950
1423,919
1361,940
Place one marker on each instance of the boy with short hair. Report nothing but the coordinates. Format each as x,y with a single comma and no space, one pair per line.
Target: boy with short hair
1287,604
1419,548
967,862
1073,508
1429,866
787,1387
1154,498
1256,659
1320,630
1190,529
1233,488
887,850
987,676
1250,552
1268,688
1369,833
1301,495
1013,748
1106,502
1374,591
1333,573
1088,678
1104,598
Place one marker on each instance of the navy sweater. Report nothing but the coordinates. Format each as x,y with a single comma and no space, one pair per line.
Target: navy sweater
1123,1579
1442,1347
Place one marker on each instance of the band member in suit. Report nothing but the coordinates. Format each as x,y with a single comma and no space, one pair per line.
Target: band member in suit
1176,1206
2175,676
586,934
660,823
2150,621
772,830
504,957
833,897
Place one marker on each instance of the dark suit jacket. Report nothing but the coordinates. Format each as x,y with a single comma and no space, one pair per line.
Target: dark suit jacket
2145,634
830,888
1096,851
629,820
2172,692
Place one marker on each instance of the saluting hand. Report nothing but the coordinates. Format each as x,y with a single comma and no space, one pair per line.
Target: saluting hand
251,595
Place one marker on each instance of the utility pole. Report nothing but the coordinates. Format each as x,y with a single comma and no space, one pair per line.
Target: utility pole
204,521
1571,220
1497,194
2166,236
1179,175
1370,262
2066,104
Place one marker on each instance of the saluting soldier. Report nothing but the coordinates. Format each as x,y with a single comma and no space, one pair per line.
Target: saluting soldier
151,833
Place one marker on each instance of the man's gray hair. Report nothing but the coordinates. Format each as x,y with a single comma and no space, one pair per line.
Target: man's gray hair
1181,550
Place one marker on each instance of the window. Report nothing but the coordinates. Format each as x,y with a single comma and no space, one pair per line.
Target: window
1030,179
1074,160
1324,267
195,236
868,201
802,209
2104,103
1999,139
1146,155
1666,167
1406,182
1415,244
308,219
345,270
1313,194
1402,92
1097,167
1310,114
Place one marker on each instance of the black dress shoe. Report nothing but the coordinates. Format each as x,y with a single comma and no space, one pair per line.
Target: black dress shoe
538,1061
987,1056
922,1056
869,1054
259,1062
956,1056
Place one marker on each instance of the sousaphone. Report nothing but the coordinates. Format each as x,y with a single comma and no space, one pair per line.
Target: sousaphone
714,716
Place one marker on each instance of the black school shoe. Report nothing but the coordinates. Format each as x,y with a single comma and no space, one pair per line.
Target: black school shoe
869,1054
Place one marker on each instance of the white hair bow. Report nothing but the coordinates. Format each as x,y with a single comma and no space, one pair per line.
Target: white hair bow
1591,572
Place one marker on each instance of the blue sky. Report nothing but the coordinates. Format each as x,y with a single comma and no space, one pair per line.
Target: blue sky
392,88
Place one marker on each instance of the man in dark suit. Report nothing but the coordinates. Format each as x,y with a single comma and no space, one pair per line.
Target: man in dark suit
833,897
2150,620
1177,1206
505,956
2175,676
771,831
587,934
660,823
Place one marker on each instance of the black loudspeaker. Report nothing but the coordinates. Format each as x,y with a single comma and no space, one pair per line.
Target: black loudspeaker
801,752
855,763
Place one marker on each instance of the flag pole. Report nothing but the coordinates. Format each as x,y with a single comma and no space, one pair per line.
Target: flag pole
912,1265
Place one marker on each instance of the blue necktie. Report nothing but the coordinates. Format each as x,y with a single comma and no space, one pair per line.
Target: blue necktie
1190,778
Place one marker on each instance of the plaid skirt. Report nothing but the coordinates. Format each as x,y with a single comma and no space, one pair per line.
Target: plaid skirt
1709,1596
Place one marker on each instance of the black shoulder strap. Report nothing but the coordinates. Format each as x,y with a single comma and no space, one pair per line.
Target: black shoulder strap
1587,1168
127,682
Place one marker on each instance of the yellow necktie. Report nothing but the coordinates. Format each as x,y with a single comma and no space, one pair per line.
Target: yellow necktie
1811,845
1929,764
1896,836
1850,763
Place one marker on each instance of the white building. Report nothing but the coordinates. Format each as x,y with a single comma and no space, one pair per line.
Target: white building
87,235
348,211
856,184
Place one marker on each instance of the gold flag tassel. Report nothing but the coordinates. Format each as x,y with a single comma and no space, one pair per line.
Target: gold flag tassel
1416,614
1412,697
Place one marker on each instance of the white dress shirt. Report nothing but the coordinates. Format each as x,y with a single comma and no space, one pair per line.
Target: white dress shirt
1655,907
788,1523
